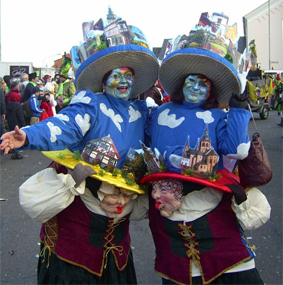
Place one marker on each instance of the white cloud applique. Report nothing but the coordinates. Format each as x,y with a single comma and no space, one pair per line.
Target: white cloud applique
62,117
54,131
169,120
80,98
83,122
242,151
206,116
117,119
134,114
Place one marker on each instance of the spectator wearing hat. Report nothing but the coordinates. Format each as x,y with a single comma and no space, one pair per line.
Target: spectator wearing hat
57,77
35,106
40,84
46,78
33,78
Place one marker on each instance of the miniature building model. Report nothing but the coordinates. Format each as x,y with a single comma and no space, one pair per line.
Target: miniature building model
152,162
117,30
101,151
202,159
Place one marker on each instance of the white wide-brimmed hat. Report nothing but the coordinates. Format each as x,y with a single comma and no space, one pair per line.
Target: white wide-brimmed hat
140,59
179,64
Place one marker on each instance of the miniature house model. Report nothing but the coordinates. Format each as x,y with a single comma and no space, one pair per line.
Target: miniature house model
152,162
101,151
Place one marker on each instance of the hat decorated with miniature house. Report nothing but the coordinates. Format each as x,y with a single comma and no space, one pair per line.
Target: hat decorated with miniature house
113,44
197,165
205,51
102,155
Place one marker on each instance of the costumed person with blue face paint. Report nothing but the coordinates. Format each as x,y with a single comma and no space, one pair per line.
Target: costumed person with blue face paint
193,133
108,79
201,84
116,75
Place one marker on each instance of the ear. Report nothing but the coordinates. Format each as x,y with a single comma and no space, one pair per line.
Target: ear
103,87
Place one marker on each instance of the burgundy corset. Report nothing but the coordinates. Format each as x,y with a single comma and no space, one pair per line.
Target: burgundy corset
85,239
212,242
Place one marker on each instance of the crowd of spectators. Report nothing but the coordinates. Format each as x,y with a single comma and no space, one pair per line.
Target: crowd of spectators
42,96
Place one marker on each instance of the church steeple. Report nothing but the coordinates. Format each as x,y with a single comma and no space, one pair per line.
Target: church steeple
111,17
205,142
205,136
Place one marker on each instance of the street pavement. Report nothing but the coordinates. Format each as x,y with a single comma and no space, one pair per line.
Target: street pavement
19,234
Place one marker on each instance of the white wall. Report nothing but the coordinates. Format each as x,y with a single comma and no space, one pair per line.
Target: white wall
258,29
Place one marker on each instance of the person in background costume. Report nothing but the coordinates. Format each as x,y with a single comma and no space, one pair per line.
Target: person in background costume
66,89
101,107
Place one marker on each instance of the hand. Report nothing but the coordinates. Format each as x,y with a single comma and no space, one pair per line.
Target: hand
238,192
81,172
13,139
239,101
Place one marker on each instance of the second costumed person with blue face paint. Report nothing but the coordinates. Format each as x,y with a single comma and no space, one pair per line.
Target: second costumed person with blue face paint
197,208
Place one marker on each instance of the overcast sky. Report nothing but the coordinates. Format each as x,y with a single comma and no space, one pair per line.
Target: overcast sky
37,31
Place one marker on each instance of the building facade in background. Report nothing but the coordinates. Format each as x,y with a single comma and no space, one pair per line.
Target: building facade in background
265,26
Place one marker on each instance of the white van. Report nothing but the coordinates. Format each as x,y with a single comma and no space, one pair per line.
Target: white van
273,72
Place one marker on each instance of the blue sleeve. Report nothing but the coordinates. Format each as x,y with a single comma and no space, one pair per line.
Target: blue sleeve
66,128
34,105
148,129
174,164
233,137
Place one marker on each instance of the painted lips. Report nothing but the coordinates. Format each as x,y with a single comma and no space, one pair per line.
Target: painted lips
123,89
119,209
157,205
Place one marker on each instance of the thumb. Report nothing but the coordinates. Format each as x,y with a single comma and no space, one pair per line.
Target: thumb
17,129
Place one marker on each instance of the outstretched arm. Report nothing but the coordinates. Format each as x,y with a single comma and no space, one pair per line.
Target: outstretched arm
13,139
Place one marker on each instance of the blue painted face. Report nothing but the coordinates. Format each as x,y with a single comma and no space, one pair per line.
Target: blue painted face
196,88
119,83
